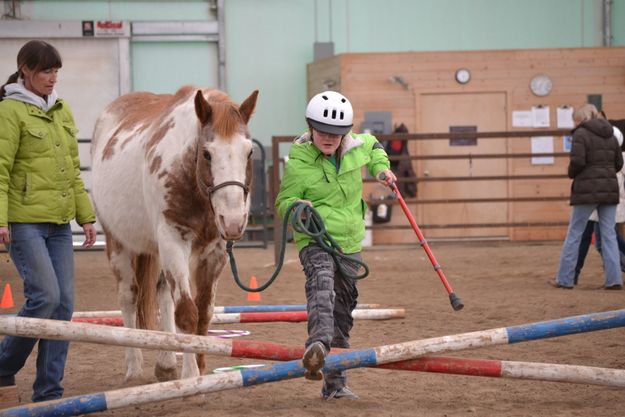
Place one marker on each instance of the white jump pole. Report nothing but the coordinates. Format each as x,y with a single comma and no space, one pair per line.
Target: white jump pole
370,357
258,317
226,309
84,332
109,335
110,400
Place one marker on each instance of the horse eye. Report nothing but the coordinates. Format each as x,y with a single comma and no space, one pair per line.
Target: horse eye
250,155
207,155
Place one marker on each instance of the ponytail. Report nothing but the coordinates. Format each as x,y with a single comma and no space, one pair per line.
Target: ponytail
12,79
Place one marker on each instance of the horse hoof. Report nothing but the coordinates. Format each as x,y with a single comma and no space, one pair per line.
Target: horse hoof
165,374
132,376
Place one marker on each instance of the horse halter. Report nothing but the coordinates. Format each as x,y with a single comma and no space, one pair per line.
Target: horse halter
212,188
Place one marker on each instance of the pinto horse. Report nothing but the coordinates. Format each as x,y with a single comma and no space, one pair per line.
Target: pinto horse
171,179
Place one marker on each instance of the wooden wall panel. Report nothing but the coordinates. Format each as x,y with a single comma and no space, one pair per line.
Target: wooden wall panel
576,72
322,72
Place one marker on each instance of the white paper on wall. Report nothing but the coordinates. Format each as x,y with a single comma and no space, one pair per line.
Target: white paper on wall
565,117
540,116
522,118
542,144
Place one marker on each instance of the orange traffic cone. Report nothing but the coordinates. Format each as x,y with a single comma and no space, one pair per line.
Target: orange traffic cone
253,296
7,297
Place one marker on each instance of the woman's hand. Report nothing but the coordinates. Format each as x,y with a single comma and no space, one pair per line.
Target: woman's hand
386,177
5,236
90,234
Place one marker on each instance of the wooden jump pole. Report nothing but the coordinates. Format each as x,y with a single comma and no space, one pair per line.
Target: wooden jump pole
242,348
456,366
263,317
108,335
122,336
227,309
86,404
347,360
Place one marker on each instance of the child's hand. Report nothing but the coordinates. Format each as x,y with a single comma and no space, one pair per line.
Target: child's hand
386,177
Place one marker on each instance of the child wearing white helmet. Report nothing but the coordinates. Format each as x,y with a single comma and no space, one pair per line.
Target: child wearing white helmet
330,112
324,171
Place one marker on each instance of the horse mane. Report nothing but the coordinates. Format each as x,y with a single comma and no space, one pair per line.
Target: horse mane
226,118
142,110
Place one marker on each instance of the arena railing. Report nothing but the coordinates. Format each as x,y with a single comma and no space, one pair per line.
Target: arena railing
276,171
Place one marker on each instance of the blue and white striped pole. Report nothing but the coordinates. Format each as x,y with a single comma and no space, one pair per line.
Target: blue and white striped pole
228,309
277,308
375,356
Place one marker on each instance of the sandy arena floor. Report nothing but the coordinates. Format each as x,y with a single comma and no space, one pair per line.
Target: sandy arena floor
501,284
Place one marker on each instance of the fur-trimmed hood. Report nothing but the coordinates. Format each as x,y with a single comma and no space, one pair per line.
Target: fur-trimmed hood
349,142
17,91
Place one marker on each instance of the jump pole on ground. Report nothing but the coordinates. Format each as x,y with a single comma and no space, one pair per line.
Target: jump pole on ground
227,309
85,404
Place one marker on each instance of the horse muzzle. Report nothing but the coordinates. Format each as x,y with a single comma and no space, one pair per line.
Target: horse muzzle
231,226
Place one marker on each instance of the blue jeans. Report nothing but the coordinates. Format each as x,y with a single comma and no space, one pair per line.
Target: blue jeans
570,249
619,241
584,246
43,255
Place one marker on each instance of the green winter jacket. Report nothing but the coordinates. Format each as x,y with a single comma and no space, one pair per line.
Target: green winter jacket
39,166
337,196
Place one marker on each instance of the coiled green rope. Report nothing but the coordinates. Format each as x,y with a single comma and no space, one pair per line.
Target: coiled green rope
304,219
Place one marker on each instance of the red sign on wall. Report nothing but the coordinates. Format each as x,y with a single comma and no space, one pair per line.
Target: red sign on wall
111,28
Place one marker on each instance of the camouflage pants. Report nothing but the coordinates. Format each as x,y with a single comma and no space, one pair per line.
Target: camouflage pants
331,298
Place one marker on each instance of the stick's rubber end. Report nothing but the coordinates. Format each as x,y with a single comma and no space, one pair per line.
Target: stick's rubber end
456,302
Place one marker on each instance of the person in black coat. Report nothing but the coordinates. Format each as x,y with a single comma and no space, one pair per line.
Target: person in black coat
592,227
595,158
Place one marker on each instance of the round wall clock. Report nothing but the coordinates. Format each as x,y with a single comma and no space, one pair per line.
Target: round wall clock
463,76
541,85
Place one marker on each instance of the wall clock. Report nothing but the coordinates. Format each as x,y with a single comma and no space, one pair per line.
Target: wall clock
541,85
463,75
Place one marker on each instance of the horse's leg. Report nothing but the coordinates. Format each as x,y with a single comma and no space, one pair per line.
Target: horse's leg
165,369
120,260
177,307
206,267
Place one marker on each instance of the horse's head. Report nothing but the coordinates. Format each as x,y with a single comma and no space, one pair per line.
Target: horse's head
224,163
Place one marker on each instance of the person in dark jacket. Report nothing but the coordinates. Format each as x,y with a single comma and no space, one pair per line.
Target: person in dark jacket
592,227
594,161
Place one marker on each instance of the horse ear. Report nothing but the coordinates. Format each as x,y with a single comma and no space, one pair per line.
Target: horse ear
247,107
202,108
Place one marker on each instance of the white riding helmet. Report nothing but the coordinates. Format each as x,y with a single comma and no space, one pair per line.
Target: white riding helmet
330,112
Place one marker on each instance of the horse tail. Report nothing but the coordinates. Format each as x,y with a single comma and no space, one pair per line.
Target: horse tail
147,269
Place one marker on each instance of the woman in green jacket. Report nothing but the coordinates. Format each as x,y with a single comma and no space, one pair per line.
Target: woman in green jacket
40,193
324,171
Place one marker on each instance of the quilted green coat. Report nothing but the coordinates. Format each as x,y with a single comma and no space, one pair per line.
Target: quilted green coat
39,166
337,196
